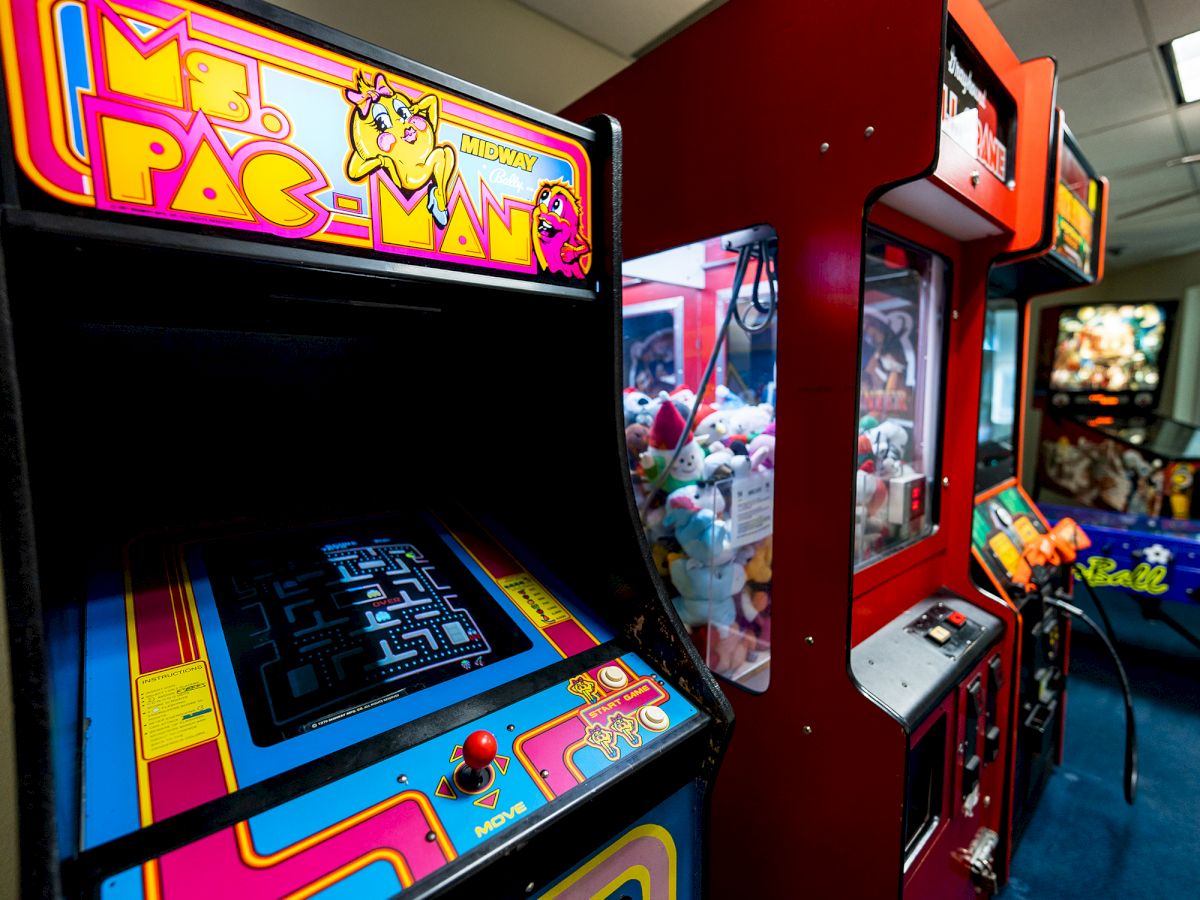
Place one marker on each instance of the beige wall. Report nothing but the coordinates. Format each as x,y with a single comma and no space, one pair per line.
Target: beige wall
1173,278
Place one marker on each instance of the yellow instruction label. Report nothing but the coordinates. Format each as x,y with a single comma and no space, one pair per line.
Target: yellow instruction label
535,601
1006,551
176,709
1026,530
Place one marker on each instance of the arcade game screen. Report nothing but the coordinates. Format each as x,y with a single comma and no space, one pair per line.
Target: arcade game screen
324,623
904,293
1109,347
708,514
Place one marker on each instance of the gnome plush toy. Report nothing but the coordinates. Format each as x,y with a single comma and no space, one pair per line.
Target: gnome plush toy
665,434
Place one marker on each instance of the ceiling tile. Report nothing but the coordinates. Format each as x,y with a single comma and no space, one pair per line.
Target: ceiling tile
1163,237
1189,118
1178,235
1172,18
1079,35
1113,95
624,26
1136,191
1128,147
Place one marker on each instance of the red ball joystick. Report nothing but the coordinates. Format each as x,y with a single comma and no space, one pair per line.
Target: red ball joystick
479,750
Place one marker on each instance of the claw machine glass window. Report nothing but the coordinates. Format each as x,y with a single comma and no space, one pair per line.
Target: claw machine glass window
904,292
700,428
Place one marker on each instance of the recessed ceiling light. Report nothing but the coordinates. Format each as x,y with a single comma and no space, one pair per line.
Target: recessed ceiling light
1183,63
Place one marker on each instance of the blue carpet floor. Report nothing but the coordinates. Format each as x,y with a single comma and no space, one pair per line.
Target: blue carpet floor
1084,841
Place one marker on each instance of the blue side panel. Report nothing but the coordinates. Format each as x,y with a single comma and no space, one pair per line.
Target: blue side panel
1148,558
63,641
110,777
126,886
680,815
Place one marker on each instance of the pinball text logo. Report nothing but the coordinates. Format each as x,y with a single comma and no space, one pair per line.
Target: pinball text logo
500,819
153,128
1101,571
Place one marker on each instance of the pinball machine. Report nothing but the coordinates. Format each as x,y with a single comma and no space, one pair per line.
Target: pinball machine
296,606
1106,457
875,675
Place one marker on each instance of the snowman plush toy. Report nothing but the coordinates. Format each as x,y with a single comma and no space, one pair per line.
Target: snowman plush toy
665,435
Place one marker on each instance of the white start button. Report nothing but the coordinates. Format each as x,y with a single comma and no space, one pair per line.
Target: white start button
654,718
613,677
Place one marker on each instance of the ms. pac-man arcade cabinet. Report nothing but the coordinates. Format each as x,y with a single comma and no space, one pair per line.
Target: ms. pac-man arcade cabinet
873,752
316,585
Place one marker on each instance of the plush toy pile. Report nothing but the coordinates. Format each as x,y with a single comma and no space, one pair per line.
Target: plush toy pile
883,455
721,586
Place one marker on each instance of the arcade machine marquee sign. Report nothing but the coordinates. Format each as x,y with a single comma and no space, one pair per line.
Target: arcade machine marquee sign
978,114
173,110
1075,207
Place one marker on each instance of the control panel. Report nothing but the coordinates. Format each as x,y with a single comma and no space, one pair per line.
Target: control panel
915,660
436,800
948,628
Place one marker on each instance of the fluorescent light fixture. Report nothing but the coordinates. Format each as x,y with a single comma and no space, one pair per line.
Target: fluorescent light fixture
1183,62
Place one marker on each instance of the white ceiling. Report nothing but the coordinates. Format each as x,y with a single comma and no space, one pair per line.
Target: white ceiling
1114,87
1112,80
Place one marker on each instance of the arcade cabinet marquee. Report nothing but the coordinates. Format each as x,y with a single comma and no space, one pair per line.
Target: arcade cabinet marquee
278,627
185,113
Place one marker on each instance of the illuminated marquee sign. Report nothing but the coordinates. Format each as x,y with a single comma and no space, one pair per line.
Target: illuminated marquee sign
173,110
977,112
1075,209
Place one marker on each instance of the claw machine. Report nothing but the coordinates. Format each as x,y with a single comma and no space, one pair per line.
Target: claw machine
872,755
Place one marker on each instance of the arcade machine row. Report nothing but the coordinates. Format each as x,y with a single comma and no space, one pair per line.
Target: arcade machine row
297,606
871,679
1104,457
1016,554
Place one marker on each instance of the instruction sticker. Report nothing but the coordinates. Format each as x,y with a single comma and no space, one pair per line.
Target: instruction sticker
535,601
751,507
1006,552
176,709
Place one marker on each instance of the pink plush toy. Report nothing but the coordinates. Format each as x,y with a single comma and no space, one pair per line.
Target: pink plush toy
762,452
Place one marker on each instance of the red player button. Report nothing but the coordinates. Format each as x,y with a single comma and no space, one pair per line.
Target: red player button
957,619
479,749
